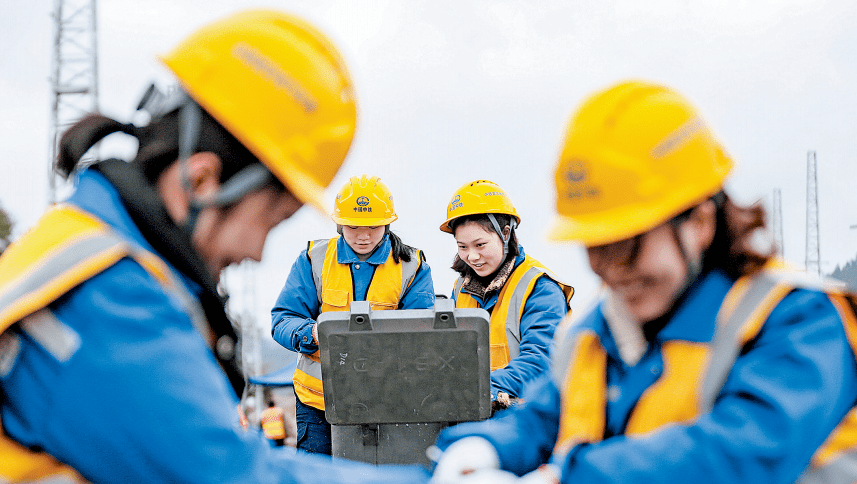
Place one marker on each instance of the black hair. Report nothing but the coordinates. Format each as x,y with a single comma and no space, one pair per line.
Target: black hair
400,250
731,249
483,221
158,144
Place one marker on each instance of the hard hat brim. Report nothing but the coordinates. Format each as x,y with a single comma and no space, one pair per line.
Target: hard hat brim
609,226
444,227
357,222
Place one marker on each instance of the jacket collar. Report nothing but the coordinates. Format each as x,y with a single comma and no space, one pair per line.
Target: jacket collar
117,192
346,255
693,320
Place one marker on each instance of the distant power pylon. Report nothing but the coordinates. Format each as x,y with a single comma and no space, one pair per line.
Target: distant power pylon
778,222
74,78
813,246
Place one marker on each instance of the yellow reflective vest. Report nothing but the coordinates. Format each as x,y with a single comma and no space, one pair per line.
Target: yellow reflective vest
697,372
273,425
335,293
505,328
67,247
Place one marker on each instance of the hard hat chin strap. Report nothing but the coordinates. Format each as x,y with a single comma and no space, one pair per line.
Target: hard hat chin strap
247,180
693,267
504,237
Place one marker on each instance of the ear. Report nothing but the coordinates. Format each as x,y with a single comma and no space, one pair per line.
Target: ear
202,175
507,232
702,225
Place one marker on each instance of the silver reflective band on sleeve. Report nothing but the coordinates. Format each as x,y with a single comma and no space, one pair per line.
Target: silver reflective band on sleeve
10,347
53,335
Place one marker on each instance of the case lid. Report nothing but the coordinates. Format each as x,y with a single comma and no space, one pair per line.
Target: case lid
405,366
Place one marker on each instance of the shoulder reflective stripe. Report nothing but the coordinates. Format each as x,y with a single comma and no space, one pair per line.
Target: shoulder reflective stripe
10,347
843,470
308,366
319,248
727,340
459,283
516,305
53,335
44,284
564,339
409,270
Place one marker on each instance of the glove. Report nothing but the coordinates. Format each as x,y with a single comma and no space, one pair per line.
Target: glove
462,458
503,401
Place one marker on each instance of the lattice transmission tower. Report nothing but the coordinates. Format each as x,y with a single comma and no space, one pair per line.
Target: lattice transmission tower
74,75
813,246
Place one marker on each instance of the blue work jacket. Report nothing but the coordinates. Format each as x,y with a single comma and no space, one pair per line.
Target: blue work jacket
142,398
545,308
297,306
781,400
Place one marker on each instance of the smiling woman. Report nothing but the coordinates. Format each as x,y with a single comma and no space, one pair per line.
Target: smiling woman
525,299
702,354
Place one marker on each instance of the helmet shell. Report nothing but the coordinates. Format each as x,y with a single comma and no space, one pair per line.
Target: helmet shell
280,87
364,201
478,197
634,156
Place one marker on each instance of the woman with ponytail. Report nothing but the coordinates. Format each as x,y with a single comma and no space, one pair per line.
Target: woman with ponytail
117,359
367,262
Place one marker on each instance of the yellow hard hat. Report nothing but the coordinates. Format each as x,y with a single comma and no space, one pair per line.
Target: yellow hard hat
364,202
280,87
479,197
634,156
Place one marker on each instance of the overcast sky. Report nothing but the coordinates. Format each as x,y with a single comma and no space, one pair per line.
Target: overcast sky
450,91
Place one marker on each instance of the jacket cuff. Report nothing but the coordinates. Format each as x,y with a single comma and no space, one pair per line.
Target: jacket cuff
305,342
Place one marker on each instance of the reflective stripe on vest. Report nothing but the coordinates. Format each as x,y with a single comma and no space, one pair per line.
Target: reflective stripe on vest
505,329
67,247
334,287
694,374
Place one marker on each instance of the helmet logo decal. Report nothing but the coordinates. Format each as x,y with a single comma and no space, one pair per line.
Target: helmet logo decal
363,201
576,172
256,61
455,202
678,137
